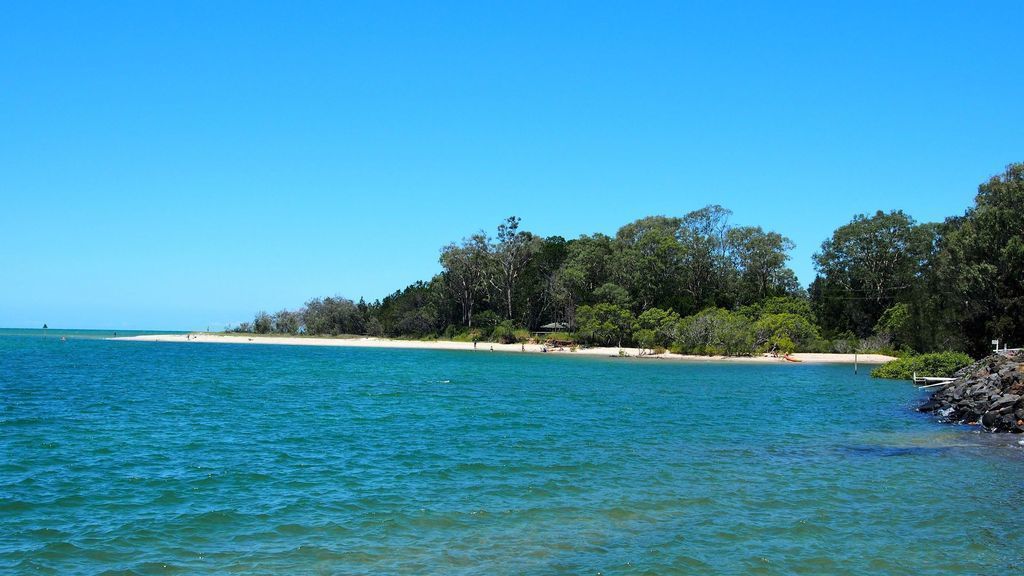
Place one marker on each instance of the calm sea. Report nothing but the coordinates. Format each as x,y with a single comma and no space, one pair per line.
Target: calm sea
157,458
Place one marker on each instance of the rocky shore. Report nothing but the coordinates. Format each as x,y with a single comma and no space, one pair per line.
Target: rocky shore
989,393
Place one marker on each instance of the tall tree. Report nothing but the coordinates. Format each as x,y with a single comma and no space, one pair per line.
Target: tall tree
867,266
511,254
981,263
760,259
645,260
704,264
542,297
586,265
465,271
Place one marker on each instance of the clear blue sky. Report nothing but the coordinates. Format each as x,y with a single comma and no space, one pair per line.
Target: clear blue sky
178,165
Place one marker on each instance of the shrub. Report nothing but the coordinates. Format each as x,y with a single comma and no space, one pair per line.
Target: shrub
715,331
262,323
505,332
485,321
784,333
845,343
780,305
898,323
604,324
938,364
656,327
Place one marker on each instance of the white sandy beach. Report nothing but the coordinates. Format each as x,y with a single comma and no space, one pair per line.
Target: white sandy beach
371,342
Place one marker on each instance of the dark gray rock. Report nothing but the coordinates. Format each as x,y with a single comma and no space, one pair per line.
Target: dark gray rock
989,392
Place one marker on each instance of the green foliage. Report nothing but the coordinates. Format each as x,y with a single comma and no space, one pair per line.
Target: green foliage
604,323
761,264
867,266
656,327
645,259
585,268
981,265
487,320
937,364
507,333
262,323
885,283
286,322
897,323
332,316
645,338
465,273
798,305
784,333
715,331
610,293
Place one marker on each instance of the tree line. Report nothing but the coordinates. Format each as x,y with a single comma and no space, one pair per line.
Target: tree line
699,284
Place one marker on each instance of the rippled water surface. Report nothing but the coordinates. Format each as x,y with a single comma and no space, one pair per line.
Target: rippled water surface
134,457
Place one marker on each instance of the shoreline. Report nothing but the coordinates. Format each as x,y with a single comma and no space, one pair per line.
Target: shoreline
607,351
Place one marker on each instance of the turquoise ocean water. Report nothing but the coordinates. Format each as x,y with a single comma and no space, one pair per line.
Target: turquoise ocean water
162,458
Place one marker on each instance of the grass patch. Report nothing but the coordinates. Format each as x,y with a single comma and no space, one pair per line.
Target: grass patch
937,364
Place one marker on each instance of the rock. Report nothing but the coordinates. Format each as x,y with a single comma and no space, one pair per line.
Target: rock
1005,400
989,392
989,419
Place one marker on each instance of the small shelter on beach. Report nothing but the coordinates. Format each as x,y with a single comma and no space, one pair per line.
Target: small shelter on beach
553,327
544,332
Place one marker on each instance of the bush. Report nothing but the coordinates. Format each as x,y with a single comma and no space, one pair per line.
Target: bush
604,324
505,332
714,332
262,324
938,364
486,320
845,343
784,333
656,327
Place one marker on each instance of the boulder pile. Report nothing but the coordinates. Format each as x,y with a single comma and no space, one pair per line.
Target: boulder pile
989,393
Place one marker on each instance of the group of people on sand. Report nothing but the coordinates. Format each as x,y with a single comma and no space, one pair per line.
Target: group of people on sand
522,347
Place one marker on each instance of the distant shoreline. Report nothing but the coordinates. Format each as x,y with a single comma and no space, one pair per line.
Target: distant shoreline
374,342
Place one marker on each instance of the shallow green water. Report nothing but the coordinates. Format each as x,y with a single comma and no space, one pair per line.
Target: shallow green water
185,458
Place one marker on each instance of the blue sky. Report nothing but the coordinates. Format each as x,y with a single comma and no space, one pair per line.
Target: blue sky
181,165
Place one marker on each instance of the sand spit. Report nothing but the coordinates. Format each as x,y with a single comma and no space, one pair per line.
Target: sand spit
372,342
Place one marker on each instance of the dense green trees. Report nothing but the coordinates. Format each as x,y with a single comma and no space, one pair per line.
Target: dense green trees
980,266
867,266
697,284
951,285
604,323
333,316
